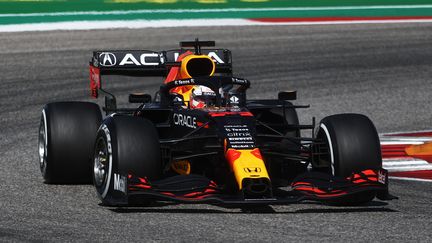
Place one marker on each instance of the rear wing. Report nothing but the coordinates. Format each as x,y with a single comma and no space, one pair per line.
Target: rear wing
144,63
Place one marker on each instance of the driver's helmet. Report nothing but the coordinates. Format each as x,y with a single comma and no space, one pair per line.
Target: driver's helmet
202,97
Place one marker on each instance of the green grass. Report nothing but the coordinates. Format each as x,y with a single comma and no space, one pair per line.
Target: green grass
43,6
59,6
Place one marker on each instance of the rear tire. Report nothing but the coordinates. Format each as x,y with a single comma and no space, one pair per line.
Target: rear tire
351,144
66,136
124,145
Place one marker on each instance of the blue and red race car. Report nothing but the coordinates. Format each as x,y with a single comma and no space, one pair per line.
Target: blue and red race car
200,140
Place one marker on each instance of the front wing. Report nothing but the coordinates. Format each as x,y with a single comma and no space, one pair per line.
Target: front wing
312,186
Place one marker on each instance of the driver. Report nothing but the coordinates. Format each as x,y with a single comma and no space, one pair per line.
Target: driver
201,97
198,96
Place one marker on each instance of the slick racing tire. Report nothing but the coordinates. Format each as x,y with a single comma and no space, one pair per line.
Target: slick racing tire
67,133
124,145
350,143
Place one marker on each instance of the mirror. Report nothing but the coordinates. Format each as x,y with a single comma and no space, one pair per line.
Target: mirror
139,98
287,95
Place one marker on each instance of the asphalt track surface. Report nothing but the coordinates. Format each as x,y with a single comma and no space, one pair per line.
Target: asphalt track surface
381,70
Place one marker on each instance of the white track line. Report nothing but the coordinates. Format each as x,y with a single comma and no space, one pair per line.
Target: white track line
394,139
404,162
407,169
406,132
401,142
406,139
409,179
220,10
128,24
407,163
138,24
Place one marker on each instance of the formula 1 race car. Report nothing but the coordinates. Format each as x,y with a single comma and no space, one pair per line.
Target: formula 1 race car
200,140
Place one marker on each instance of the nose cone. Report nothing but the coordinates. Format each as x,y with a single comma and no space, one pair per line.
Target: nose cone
249,170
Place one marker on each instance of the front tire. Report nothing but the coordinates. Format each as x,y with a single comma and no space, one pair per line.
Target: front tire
349,144
124,145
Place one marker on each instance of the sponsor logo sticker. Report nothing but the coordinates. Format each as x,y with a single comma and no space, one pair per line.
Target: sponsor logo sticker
382,177
234,100
239,136
107,59
252,169
211,54
184,120
120,183
184,82
130,59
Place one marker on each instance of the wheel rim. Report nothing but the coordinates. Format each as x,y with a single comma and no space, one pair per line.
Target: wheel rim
100,162
42,146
